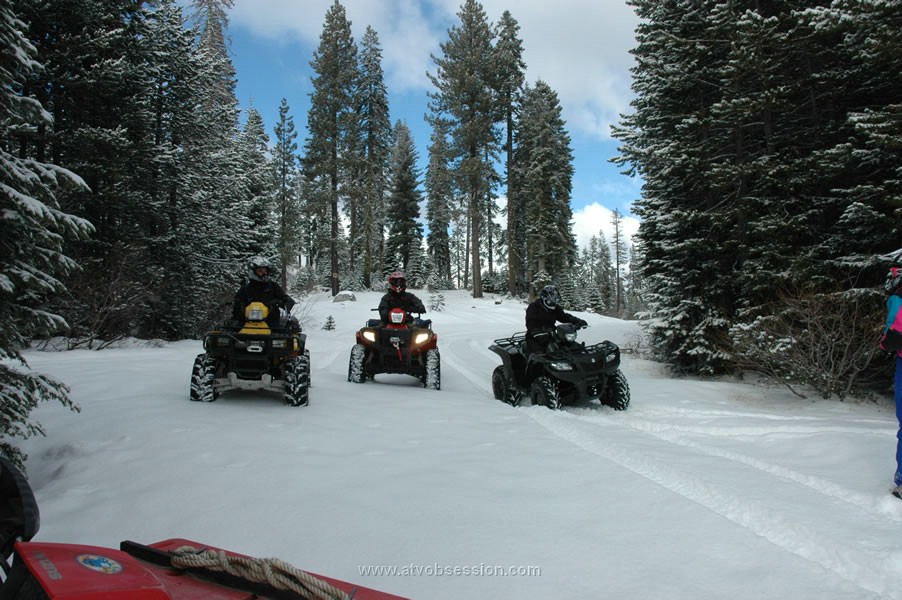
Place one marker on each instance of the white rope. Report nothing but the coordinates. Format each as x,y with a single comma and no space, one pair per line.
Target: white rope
272,571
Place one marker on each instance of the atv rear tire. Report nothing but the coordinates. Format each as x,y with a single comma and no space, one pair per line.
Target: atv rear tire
616,392
356,370
297,381
501,387
433,379
202,375
544,392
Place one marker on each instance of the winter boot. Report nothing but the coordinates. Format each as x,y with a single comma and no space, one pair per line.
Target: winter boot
897,491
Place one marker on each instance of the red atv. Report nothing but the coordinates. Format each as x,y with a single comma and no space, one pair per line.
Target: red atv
174,569
403,345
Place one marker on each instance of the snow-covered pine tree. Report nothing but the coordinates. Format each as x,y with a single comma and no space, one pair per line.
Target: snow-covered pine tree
544,173
375,138
597,258
620,259
436,301
746,178
634,295
511,77
465,98
331,123
539,280
207,198
101,119
286,199
567,287
405,233
417,272
32,233
329,324
439,201
254,151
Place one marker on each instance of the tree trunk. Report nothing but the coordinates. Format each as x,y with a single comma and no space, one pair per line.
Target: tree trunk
474,242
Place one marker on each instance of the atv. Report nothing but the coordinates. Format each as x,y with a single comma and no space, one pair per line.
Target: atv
403,345
254,356
172,569
568,373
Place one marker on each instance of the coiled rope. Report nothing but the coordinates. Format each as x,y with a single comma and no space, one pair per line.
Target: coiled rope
272,571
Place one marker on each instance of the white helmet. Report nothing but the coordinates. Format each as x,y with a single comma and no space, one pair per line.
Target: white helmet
259,262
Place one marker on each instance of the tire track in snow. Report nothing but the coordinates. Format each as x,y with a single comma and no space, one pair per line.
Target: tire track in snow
452,345
695,414
876,569
671,434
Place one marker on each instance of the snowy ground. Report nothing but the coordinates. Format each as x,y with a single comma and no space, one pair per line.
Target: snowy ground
702,489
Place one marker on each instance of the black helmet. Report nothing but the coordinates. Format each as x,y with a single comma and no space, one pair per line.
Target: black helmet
259,262
893,279
397,282
550,297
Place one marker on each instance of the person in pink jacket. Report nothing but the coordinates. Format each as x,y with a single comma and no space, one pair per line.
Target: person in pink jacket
893,286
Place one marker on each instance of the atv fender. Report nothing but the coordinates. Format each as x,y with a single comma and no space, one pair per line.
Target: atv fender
514,364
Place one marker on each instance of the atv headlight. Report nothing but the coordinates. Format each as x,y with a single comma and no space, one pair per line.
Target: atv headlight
370,335
279,343
570,336
421,338
561,366
255,314
611,357
223,341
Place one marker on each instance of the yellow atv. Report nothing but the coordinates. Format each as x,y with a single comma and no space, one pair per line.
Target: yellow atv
254,356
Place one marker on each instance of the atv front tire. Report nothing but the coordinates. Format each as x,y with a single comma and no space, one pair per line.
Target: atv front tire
356,370
297,382
501,387
433,379
202,375
544,392
616,392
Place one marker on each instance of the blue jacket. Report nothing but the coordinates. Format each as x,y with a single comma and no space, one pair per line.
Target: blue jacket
894,315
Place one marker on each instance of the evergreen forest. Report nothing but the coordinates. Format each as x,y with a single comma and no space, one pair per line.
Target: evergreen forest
768,137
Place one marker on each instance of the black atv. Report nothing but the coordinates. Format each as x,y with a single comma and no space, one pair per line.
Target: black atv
403,345
254,356
568,373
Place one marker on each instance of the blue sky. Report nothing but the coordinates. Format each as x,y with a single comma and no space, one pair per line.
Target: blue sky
578,47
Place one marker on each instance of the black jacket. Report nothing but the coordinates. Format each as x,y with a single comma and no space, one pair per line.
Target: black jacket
404,300
267,292
539,317
540,321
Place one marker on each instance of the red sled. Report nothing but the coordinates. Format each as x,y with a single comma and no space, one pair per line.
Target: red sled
174,569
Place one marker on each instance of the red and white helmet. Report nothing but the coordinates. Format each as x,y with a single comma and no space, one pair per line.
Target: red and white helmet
397,282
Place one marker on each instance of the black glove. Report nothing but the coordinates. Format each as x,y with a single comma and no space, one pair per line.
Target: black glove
581,323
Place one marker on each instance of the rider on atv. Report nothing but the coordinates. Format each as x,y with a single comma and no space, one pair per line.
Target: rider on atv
541,316
260,288
398,297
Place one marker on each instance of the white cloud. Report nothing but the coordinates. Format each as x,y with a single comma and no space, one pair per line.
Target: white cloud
592,218
578,47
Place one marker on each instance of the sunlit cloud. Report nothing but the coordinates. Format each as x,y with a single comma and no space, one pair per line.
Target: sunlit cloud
581,50
594,218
